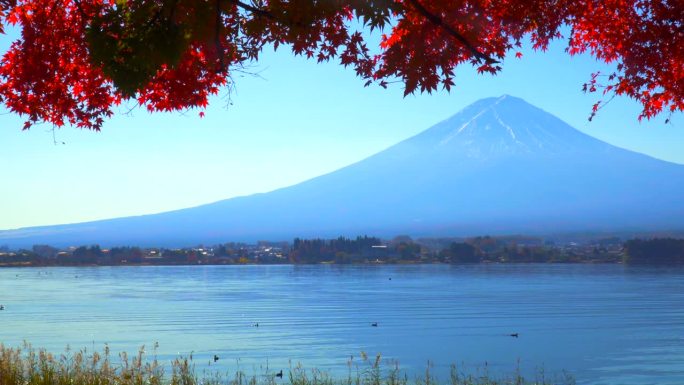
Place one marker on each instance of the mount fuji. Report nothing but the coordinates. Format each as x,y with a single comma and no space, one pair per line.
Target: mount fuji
498,166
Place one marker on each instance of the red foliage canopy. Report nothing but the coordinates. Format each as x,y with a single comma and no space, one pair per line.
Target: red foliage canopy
76,59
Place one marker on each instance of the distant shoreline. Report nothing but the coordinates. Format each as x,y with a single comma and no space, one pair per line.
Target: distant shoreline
363,250
28,266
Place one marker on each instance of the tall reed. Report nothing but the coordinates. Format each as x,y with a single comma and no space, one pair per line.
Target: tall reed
29,366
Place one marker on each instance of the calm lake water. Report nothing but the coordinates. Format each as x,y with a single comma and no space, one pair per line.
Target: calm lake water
604,324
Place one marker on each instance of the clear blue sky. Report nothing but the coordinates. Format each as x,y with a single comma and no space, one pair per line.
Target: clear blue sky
297,120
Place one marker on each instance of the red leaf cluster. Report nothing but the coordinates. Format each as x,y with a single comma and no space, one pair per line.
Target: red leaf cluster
76,59
46,75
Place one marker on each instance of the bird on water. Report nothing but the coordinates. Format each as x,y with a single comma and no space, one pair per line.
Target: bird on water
374,324
514,335
280,374
216,358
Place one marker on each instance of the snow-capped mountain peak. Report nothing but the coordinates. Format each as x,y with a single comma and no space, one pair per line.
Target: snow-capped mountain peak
507,125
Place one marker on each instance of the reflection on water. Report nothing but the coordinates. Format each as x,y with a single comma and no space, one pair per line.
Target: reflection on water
604,324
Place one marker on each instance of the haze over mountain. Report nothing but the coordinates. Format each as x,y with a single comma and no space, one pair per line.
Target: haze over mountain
500,165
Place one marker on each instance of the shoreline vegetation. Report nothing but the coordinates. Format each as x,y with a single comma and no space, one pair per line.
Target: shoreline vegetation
30,366
362,250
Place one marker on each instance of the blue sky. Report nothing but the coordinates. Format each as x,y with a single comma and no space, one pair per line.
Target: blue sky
296,120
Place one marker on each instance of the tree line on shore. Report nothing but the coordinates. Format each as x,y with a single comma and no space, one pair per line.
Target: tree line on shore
661,251
363,250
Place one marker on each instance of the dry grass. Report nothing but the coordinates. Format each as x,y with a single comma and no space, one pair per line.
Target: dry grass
28,366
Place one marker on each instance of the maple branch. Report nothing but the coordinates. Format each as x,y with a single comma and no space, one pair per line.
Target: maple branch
217,38
436,20
172,16
253,9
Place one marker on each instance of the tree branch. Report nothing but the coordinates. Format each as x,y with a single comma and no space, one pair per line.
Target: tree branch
220,52
255,10
436,20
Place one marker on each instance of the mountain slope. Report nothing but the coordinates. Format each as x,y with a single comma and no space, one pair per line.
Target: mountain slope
498,166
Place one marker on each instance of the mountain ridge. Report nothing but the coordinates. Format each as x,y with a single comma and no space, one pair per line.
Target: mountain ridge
499,165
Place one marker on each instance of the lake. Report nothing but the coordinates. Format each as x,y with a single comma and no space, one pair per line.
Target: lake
603,324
